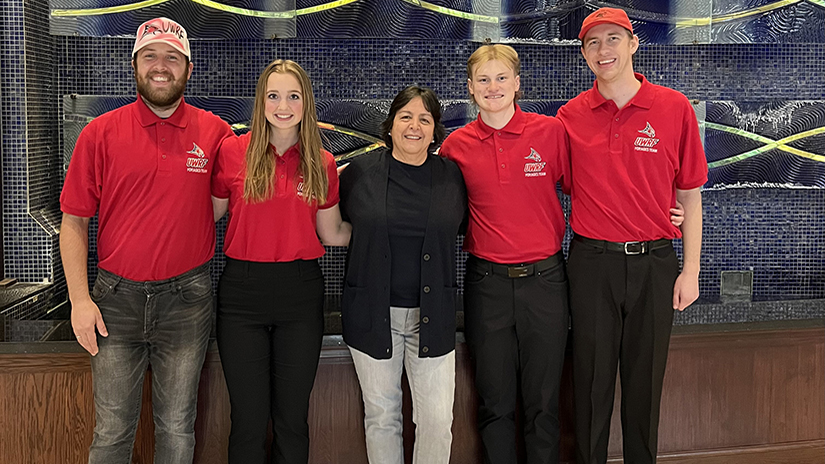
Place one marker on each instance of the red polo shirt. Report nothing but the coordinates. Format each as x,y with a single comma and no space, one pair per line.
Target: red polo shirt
148,179
627,163
511,176
280,229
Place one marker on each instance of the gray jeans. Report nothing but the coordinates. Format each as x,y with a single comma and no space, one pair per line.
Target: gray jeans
165,324
432,385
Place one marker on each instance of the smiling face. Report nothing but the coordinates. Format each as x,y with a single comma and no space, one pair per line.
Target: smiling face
284,102
412,131
608,50
494,86
161,73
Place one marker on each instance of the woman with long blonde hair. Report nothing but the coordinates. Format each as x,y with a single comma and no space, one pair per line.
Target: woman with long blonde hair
281,190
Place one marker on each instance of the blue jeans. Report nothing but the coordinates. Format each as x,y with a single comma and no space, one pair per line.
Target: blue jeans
163,323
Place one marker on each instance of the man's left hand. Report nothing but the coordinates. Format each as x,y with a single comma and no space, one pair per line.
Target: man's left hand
685,291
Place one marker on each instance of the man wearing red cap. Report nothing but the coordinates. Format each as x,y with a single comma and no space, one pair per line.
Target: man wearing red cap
145,169
635,150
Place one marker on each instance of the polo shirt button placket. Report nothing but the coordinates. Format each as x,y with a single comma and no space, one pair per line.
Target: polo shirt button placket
162,165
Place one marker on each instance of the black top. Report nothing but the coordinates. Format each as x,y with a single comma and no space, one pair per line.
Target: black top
365,304
408,204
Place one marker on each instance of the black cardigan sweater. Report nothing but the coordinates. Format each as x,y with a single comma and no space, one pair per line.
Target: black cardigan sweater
365,305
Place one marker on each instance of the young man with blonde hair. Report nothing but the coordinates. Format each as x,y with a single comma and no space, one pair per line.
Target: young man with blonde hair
515,290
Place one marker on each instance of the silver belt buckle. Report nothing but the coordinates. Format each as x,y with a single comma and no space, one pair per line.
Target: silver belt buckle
634,248
515,272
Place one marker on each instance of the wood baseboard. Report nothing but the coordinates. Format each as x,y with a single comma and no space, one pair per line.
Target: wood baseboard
804,452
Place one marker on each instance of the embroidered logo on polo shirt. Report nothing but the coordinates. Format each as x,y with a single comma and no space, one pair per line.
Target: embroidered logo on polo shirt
299,188
535,169
646,143
198,162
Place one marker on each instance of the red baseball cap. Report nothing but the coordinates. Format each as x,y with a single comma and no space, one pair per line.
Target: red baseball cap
605,16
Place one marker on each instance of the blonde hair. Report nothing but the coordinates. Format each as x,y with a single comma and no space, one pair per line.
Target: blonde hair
260,157
489,52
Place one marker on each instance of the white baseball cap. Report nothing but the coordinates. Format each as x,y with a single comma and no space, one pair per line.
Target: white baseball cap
162,30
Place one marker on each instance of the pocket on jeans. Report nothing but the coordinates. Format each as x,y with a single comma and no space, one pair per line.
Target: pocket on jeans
554,276
195,290
101,289
475,275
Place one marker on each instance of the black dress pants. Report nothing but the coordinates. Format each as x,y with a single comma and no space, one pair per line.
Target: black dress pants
516,329
622,314
270,327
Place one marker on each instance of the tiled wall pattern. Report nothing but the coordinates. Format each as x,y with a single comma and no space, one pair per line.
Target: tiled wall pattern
774,232
367,69
378,68
31,174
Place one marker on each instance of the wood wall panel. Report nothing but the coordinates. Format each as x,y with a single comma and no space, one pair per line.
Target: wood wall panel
336,412
212,425
739,389
51,423
806,452
729,397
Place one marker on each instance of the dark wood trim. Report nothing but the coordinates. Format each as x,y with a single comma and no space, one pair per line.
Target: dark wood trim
747,397
44,363
805,452
751,338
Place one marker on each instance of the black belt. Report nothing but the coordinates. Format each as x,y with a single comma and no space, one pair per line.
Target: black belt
515,271
628,248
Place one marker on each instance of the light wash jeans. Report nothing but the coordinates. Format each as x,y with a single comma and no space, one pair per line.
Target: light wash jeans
432,384
163,323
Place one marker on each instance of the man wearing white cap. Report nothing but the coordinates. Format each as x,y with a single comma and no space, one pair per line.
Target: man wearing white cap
145,169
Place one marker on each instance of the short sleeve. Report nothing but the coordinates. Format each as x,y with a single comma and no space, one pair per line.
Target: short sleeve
564,161
220,178
82,187
693,165
332,177
447,148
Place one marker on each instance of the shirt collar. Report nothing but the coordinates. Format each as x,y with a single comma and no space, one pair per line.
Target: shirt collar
642,99
514,126
291,152
146,117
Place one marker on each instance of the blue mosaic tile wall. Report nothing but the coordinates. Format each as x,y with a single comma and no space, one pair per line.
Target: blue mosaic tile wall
769,231
774,232
31,174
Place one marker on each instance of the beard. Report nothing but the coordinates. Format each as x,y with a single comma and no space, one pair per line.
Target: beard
160,98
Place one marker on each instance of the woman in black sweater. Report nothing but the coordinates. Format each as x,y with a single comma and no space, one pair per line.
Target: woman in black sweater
406,206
